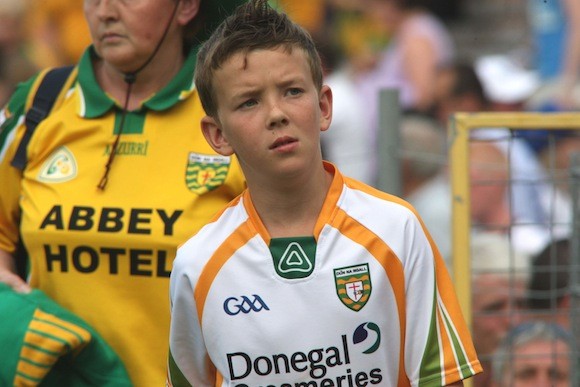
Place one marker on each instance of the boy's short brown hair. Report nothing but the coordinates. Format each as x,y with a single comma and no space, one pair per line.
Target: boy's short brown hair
253,26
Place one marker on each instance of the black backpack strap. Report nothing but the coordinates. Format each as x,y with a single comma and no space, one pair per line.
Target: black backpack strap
44,99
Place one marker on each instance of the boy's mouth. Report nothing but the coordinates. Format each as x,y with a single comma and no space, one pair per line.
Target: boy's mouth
282,141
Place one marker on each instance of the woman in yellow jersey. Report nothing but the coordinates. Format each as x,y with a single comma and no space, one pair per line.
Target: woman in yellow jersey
116,176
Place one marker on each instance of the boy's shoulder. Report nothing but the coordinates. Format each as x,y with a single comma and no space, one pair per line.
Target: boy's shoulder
202,244
368,198
193,255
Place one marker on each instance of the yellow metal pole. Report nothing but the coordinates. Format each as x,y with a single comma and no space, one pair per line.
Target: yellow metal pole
461,222
460,126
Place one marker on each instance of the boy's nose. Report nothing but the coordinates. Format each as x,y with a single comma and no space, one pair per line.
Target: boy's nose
277,117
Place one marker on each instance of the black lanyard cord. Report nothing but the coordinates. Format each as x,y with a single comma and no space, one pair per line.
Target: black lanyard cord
130,79
105,178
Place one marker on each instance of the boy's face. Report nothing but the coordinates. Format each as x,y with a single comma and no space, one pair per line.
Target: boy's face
270,113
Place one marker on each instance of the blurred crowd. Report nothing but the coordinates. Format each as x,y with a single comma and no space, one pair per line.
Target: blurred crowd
522,259
38,34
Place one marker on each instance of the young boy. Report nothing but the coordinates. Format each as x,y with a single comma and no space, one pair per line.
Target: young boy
309,278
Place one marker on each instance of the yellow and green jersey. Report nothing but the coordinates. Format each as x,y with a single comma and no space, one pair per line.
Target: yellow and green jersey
106,255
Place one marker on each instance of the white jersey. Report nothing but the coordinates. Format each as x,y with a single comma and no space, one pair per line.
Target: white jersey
365,301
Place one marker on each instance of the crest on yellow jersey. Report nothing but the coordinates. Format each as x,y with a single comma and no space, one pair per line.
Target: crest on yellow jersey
61,166
206,172
353,285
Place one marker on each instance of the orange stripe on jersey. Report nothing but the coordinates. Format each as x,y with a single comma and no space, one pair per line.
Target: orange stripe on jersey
447,293
219,379
454,310
332,196
393,268
236,240
446,345
233,203
357,185
253,214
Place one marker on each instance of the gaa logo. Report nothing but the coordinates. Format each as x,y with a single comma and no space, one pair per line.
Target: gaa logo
234,305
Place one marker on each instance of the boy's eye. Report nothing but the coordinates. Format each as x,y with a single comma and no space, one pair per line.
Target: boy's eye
248,103
294,91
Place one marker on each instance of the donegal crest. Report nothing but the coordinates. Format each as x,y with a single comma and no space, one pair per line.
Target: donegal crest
206,172
353,285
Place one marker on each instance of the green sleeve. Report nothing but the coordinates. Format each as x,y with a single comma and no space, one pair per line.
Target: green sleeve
13,110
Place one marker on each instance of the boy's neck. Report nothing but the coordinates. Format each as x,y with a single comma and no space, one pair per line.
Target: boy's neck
291,213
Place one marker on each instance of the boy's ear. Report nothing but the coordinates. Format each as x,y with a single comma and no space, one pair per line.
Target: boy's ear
215,136
325,104
188,10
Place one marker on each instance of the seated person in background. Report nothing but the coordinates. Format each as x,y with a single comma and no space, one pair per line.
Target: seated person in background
418,44
508,85
349,142
555,34
424,176
559,154
534,202
549,292
535,354
499,278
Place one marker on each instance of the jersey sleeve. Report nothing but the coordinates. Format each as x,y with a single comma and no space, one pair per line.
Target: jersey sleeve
11,131
189,363
434,319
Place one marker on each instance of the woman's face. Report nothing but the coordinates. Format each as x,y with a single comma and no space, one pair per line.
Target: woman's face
126,32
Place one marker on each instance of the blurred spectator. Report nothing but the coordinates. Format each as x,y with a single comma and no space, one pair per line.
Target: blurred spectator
549,292
348,143
531,202
489,177
57,31
310,14
535,354
492,209
423,151
360,36
556,155
555,30
499,278
508,87
15,62
507,84
419,43
446,9
425,180
459,89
